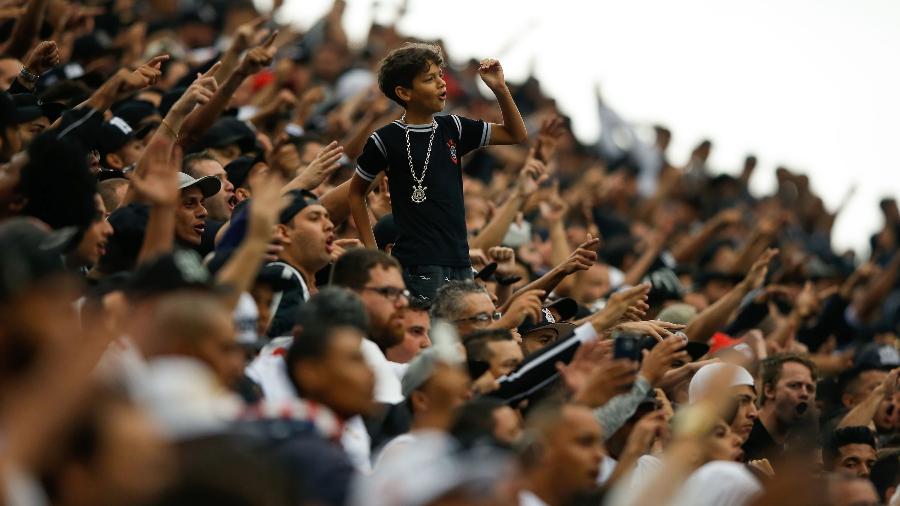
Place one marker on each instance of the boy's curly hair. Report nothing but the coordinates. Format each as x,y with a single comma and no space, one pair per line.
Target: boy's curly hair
403,64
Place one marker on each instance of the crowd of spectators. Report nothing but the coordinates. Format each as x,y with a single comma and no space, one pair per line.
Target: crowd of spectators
211,292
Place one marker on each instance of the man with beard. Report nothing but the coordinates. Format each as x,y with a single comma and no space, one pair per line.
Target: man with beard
788,397
377,279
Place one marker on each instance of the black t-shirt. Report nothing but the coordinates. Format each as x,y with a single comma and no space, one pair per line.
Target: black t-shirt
432,232
760,445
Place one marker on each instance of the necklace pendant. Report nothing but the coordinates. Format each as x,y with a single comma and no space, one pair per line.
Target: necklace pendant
418,194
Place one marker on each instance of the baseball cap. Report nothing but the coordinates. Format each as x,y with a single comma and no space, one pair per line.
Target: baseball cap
30,251
238,170
179,270
9,114
299,200
565,307
665,286
209,185
227,131
135,111
29,108
114,134
877,356
678,313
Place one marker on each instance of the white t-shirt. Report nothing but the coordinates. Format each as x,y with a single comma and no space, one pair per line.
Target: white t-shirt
387,385
527,498
719,483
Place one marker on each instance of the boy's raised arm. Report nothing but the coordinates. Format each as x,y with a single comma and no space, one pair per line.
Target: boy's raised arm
512,131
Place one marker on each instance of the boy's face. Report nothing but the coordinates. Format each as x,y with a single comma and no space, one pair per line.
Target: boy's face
428,92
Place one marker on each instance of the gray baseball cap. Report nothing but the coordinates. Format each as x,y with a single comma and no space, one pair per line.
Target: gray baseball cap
209,185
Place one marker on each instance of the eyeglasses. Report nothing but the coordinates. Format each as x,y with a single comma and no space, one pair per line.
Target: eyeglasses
390,293
481,318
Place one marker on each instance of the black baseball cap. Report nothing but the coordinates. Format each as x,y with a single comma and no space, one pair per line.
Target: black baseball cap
9,112
565,307
227,131
114,134
179,270
30,251
29,108
299,200
135,111
238,170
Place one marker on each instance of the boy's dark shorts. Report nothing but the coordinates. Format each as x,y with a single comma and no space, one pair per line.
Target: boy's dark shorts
424,280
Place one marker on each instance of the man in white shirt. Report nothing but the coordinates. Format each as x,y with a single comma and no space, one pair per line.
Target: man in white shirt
376,277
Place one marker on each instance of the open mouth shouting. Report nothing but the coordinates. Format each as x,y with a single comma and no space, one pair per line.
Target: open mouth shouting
329,244
231,202
199,228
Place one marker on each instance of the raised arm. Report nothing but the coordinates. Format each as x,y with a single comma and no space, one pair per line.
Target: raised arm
512,131
157,185
528,181
863,413
705,324
26,28
201,119
241,269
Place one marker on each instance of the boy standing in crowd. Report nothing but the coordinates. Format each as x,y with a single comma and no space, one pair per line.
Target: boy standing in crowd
422,156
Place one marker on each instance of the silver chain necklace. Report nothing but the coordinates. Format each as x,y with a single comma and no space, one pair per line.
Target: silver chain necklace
418,193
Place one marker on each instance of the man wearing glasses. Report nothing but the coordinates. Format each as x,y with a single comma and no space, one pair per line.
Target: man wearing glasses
377,279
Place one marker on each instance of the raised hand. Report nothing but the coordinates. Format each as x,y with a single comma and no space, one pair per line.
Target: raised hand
548,138
199,92
326,162
249,33
656,328
265,206
42,58
583,258
758,270
587,357
659,360
492,73
259,57
523,305
340,246
157,183
618,305
530,177
553,208
145,75
505,258
605,381
380,201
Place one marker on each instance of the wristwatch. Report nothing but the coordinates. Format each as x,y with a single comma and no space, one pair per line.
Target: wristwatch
28,75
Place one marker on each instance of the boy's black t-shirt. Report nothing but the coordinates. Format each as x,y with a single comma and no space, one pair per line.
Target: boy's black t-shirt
432,232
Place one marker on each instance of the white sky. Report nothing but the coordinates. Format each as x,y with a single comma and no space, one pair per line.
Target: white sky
811,84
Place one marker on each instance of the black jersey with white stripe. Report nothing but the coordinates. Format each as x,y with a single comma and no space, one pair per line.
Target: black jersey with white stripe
432,232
